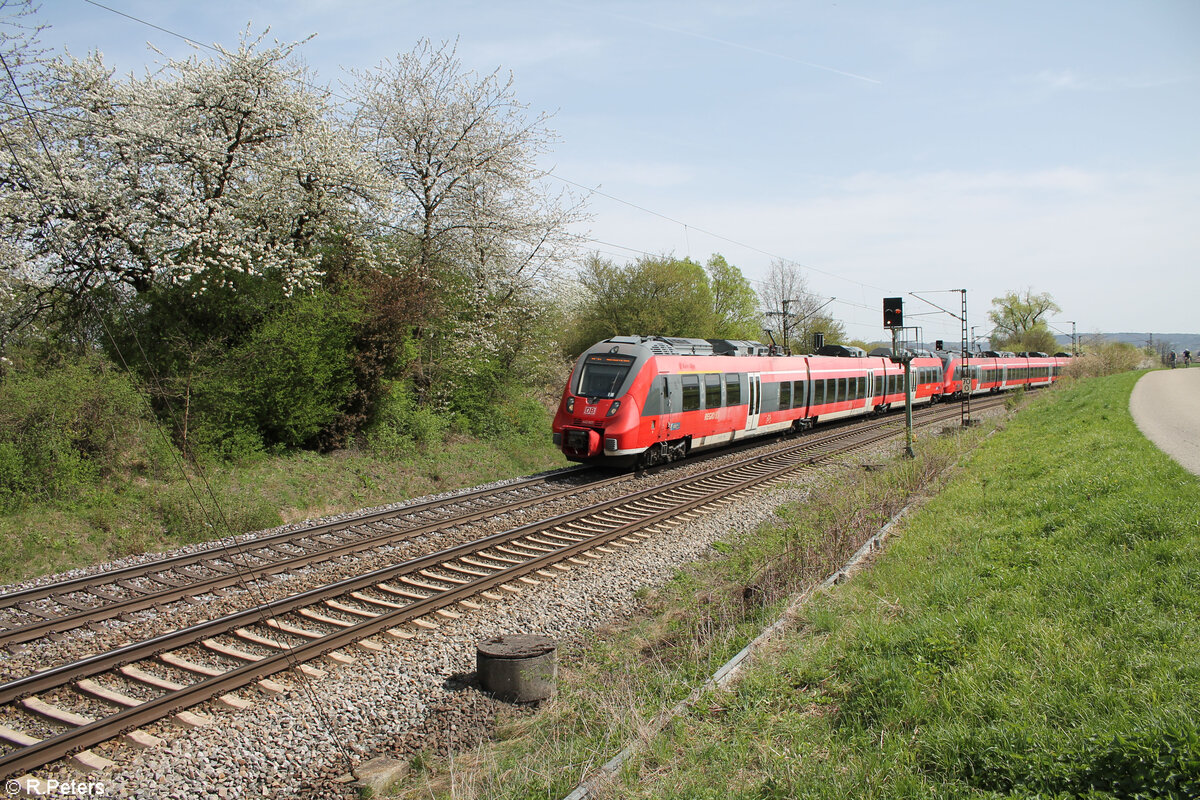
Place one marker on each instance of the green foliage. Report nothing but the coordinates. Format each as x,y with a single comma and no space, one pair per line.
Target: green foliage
280,387
150,513
1158,761
1020,320
735,304
402,424
186,518
66,428
663,296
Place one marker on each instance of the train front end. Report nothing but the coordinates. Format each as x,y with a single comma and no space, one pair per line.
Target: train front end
599,415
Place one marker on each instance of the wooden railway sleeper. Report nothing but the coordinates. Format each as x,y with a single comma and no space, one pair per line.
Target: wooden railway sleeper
30,608
95,589
69,602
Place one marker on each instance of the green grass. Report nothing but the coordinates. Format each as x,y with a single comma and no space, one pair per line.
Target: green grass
1032,633
119,517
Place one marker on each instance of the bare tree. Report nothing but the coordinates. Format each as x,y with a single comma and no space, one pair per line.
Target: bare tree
785,297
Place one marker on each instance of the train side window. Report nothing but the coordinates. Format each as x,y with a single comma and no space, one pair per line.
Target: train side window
712,390
733,388
862,388
785,396
799,394
691,392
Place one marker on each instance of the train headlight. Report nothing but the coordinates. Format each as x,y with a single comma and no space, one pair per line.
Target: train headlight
613,408
570,405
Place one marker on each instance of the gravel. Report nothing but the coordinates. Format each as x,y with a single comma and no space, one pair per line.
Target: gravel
415,694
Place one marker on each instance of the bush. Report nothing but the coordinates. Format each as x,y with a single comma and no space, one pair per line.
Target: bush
282,386
66,428
402,424
1106,358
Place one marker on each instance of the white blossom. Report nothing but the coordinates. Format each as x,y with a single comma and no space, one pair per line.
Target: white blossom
202,169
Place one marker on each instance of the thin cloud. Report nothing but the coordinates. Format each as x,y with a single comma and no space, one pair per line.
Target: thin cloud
739,46
1059,79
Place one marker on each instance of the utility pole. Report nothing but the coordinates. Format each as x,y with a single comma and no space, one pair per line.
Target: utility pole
786,303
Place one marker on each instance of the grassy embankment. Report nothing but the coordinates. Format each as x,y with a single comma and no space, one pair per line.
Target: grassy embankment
1032,632
117,517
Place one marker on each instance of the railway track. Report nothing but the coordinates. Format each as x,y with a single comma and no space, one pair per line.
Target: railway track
161,677
54,608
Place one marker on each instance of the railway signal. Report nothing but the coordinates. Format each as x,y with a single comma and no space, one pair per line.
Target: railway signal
893,312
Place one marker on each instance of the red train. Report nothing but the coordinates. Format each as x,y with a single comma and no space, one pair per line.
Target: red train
644,400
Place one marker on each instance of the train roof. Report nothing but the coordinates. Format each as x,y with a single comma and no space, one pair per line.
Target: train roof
683,346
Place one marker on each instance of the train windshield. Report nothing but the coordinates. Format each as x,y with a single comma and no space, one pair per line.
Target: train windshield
603,375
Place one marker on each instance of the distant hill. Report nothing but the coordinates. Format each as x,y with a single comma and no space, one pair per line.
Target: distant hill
1175,341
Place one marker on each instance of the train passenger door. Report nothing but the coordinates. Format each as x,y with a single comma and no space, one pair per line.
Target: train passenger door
869,394
658,408
755,397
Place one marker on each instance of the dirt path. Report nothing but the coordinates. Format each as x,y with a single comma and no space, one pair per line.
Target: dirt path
1166,407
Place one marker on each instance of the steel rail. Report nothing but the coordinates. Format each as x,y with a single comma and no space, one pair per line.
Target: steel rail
244,574
46,750
218,551
102,662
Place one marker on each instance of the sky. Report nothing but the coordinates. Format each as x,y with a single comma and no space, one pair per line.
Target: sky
888,149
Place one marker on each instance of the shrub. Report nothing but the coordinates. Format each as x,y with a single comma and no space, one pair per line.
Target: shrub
63,429
282,386
403,424
1106,358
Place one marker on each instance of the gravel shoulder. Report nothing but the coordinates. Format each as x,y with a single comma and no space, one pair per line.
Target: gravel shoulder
1165,404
